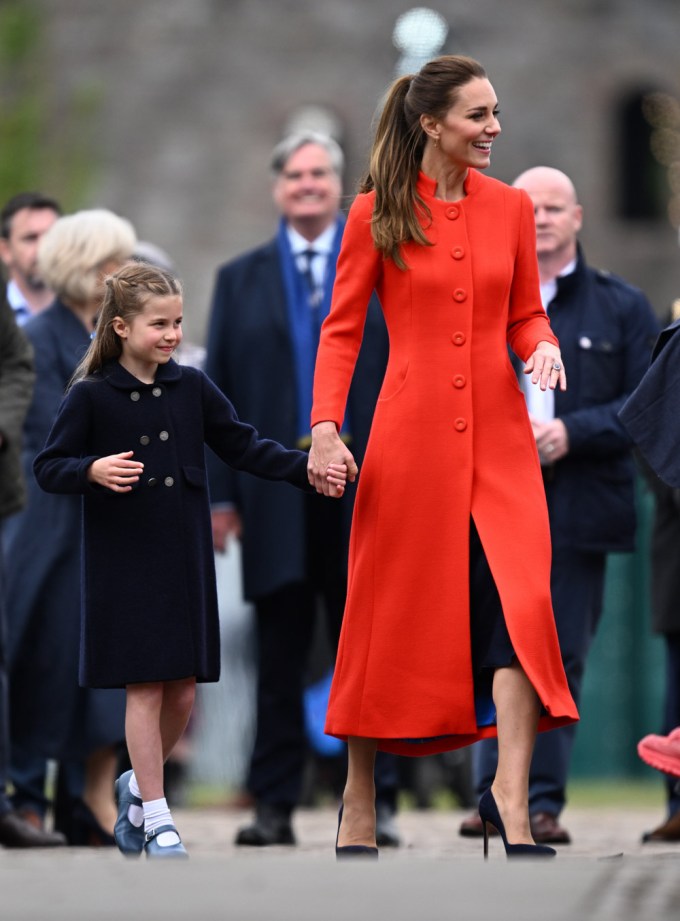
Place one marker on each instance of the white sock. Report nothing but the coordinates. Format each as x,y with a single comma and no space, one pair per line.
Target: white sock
135,813
157,813
134,786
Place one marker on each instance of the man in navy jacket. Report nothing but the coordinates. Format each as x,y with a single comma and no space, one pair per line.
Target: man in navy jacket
606,330
17,376
267,307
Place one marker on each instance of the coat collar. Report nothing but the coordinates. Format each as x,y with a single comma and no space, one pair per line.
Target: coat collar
567,283
120,377
427,186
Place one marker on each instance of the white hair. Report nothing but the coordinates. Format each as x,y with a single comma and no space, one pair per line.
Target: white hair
285,149
72,252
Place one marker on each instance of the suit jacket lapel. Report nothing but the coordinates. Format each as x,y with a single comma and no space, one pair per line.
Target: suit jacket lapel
273,286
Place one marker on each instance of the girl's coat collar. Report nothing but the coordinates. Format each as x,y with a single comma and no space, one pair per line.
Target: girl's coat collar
119,377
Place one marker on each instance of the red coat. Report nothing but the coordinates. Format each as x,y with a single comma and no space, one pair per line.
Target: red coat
450,438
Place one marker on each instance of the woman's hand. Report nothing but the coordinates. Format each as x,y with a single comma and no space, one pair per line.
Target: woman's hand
546,367
116,471
330,461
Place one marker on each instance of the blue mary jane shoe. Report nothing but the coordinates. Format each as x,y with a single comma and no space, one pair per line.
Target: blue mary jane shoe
129,838
154,849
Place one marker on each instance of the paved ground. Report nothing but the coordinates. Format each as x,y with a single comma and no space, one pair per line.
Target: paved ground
605,874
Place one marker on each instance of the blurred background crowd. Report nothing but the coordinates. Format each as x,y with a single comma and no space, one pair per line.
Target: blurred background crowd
161,116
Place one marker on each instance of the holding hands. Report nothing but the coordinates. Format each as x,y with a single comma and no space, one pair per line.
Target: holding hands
117,471
546,367
330,463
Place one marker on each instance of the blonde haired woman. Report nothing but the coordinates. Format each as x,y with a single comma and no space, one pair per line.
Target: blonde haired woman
52,717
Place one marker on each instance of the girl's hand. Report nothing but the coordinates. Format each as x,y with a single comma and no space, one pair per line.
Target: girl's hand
117,471
329,449
337,477
546,367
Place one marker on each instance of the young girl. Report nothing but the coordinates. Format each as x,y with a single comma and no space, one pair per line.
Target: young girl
130,437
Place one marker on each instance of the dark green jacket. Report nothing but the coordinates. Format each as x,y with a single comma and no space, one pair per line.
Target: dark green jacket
16,388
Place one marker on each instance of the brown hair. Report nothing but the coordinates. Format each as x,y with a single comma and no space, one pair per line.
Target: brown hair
126,294
398,149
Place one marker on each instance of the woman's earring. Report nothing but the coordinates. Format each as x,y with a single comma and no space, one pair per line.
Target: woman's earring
436,142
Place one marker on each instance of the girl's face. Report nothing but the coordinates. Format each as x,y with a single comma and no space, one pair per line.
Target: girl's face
468,129
150,337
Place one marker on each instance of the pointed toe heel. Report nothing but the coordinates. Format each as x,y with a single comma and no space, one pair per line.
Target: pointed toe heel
352,851
489,814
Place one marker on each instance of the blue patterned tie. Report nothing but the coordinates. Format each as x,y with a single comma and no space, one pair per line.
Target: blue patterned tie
315,292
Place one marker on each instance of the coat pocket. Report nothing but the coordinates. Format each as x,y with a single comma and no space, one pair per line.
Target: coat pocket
195,476
601,361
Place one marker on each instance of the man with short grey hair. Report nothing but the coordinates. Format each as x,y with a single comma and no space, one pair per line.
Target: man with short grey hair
268,306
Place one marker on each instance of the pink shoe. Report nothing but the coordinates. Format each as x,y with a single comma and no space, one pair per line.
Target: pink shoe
662,752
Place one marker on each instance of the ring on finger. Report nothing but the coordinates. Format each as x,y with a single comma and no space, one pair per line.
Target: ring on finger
556,366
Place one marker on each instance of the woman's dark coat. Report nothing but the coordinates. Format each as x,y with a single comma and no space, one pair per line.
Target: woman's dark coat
16,387
51,715
651,418
149,597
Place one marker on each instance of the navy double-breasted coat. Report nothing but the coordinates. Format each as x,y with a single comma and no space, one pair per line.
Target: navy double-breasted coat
149,598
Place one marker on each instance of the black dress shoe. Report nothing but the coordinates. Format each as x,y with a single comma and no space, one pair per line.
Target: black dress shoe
85,830
386,834
271,826
545,829
15,831
668,831
473,827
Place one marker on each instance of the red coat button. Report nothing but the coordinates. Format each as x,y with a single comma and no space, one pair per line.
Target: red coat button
452,212
459,295
459,381
460,425
458,338
457,252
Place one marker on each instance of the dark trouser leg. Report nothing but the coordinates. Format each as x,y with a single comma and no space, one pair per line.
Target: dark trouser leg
4,709
672,709
29,775
284,624
577,585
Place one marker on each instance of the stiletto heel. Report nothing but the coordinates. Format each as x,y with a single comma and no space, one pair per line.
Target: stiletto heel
488,813
353,850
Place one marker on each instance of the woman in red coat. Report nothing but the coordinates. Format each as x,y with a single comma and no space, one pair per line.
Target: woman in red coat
448,634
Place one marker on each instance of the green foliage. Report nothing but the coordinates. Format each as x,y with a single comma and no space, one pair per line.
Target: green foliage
45,143
19,31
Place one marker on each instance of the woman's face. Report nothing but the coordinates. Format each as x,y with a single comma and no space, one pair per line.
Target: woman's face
468,129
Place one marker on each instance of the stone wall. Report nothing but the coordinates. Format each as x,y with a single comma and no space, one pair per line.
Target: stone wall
194,93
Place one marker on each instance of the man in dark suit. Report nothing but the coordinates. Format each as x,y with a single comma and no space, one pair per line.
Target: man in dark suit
16,387
267,308
606,330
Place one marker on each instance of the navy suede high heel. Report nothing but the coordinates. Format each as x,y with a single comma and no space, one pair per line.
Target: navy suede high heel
353,850
489,814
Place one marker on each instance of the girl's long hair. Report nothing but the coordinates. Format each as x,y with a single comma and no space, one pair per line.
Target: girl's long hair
125,295
398,147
